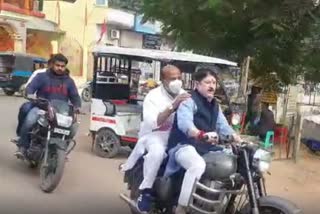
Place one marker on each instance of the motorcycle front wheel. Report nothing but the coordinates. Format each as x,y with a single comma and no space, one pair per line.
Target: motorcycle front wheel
273,205
51,173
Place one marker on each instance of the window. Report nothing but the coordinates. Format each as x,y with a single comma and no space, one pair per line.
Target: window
102,2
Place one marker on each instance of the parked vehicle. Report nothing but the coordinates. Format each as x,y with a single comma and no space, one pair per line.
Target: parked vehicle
233,183
116,109
15,70
50,142
86,91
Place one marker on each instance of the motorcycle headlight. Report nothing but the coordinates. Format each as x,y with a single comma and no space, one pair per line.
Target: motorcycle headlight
236,119
64,121
262,160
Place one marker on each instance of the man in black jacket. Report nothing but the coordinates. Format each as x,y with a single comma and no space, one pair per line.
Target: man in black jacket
266,122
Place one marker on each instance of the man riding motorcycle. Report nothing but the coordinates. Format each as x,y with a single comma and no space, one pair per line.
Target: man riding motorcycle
55,83
158,113
198,122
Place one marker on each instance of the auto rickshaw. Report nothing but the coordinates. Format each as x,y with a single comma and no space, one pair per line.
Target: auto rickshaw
116,108
15,70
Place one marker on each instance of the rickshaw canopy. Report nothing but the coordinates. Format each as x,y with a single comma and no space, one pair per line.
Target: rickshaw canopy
161,55
23,61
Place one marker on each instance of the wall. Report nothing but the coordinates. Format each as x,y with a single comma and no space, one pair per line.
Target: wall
72,21
16,29
39,44
6,42
130,39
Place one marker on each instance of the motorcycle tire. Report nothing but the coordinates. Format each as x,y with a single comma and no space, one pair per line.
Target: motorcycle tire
273,205
134,194
86,95
50,180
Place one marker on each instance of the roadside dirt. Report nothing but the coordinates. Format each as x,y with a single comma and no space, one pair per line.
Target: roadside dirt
298,182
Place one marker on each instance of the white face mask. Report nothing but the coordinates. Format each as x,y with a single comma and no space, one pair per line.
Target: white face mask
175,86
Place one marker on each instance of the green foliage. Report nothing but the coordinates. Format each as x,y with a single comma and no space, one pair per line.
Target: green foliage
280,35
131,5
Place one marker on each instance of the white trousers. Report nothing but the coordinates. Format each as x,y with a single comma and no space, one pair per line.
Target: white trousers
194,164
155,144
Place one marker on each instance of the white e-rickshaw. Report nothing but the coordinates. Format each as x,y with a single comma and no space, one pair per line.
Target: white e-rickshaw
116,106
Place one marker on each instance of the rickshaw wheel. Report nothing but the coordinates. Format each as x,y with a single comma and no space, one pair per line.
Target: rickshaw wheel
8,92
86,95
106,143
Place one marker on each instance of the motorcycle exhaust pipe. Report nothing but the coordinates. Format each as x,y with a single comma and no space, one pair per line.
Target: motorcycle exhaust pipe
130,202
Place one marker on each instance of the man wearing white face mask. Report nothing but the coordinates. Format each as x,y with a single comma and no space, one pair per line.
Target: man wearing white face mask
159,107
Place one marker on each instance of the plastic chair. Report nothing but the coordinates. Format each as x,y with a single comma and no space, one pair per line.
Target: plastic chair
269,140
281,137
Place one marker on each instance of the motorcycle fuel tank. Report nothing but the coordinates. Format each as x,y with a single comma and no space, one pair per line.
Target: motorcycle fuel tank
219,165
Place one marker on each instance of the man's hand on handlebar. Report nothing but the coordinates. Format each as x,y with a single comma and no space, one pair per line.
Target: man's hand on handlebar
237,138
31,96
78,111
209,137
212,137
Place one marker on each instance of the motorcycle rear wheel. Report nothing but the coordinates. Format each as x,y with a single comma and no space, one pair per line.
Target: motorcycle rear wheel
273,205
51,174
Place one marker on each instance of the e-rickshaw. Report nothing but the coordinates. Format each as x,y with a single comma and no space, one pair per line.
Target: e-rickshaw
15,70
116,108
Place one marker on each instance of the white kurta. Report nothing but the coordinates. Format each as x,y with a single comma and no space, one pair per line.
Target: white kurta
152,138
35,74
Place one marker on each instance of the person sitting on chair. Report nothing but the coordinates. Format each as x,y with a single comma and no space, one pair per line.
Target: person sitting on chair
266,122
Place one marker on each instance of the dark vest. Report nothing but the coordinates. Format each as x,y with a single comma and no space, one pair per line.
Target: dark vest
205,119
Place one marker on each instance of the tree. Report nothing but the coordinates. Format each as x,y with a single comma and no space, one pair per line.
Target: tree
272,32
131,5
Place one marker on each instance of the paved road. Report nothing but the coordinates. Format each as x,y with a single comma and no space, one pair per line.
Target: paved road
90,184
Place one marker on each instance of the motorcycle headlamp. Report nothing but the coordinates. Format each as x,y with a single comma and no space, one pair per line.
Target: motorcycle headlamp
64,121
262,160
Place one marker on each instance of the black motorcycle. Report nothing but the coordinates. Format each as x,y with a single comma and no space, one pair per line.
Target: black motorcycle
233,183
50,142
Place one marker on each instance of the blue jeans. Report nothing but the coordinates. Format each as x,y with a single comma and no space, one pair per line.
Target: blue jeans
30,120
23,112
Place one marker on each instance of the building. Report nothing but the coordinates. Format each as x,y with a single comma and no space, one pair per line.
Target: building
24,28
99,22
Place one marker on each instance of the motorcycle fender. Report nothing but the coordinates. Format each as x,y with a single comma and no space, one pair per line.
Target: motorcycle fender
62,144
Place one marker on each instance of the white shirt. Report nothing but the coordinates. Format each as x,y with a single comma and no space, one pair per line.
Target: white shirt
156,101
34,74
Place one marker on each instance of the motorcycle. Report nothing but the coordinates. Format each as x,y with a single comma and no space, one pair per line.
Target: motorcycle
233,183
50,142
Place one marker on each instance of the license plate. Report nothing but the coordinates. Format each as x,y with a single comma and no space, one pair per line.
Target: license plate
61,131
